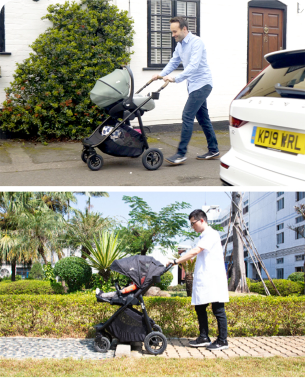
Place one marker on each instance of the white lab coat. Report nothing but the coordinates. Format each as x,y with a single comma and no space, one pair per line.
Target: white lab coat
210,279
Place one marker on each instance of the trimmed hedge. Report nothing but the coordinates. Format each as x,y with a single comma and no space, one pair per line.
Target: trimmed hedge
74,316
285,287
33,287
297,276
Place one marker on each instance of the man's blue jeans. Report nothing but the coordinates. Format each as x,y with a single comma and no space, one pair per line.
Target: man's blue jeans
196,106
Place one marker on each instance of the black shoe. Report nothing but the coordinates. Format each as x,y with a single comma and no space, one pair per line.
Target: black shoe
218,345
200,342
208,155
176,159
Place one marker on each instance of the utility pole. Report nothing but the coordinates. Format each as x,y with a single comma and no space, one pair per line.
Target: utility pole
238,281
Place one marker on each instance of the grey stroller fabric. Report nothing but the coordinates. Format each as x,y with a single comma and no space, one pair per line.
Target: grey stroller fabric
111,88
137,267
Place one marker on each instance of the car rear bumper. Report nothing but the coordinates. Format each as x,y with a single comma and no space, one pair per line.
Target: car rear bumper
244,173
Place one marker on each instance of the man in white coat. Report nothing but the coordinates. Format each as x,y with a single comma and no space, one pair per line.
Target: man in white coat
210,281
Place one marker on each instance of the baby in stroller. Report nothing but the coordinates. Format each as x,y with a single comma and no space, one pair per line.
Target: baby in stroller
128,289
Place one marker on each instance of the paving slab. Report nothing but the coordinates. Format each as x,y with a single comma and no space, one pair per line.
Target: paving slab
24,163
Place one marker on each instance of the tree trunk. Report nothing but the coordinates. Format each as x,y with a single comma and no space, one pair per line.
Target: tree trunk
304,273
13,263
189,284
41,252
238,281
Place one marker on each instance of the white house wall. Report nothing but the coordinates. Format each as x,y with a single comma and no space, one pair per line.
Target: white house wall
223,29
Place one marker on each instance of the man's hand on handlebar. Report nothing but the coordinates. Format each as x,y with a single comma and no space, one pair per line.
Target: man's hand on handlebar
155,77
169,78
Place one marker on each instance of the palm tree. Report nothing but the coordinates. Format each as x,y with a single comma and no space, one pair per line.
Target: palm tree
106,249
82,228
189,267
93,194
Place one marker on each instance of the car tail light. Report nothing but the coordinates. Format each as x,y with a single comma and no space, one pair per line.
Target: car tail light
224,165
235,122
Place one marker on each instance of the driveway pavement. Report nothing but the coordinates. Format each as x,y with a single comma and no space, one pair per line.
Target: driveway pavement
24,163
25,347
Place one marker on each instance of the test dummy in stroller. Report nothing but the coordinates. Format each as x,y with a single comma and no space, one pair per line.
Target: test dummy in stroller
128,324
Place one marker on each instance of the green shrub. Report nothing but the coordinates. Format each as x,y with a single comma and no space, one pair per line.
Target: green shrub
31,287
297,276
9,278
75,271
36,272
166,280
285,287
177,287
48,272
74,315
49,96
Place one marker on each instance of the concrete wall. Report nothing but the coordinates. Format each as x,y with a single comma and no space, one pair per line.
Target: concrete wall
223,29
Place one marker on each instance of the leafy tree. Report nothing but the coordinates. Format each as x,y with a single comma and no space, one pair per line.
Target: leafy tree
107,248
82,228
147,228
74,271
36,272
166,280
93,194
49,96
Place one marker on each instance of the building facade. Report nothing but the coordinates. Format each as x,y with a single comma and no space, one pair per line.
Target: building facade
237,35
268,218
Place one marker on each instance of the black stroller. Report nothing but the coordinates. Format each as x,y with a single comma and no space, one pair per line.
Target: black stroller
115,136
128,324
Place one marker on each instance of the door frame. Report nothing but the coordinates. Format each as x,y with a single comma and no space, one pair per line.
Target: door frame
271,4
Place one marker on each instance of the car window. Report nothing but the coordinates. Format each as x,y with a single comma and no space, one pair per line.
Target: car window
289,81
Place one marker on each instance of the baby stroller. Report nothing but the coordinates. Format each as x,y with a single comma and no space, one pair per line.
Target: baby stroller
115,136
128,324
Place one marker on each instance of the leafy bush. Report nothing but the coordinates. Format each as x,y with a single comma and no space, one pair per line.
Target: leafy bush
285,287
177,287
74,316
49,96
166,280
31,287
9,278
36,272
48,272
75,271
297,276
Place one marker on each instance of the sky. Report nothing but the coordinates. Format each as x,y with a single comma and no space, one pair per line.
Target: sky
114,206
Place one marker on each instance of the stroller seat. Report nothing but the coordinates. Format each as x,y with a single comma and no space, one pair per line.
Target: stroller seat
139,99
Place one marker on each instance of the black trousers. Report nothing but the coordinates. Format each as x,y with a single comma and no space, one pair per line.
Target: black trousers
220,313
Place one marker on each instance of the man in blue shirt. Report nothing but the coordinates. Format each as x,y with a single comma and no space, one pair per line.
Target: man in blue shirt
190,50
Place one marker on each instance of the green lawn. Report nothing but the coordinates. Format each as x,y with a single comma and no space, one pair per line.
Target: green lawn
155,367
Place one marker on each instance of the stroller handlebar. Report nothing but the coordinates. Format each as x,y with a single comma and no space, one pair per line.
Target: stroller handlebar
167,268
150,81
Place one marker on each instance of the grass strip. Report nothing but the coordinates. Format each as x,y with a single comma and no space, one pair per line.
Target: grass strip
155,367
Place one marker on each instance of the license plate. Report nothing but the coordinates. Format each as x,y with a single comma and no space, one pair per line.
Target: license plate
279,140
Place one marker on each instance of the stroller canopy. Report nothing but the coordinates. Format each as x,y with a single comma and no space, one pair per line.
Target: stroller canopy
137,267
111,88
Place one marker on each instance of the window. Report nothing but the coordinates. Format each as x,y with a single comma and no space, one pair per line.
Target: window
161,45
246,202
299,219
280,226
280,238
2,40
299,232
280,273
23,272
279,194
299,196
245,209
299,269
299,257
280,260
280,204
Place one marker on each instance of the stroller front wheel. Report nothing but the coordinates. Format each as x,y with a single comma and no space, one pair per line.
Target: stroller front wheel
101,344
95,162
152,159
155,343
85,156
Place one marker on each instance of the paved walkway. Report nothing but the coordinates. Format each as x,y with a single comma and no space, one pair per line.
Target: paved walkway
25,347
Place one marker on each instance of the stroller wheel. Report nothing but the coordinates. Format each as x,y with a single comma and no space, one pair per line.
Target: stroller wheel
157,328
95,162
101,344
155,343
84,156
152,159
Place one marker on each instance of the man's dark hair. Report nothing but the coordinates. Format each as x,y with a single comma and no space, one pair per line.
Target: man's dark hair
182,22
198,214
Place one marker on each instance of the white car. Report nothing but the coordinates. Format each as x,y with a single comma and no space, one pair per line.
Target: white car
267,126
